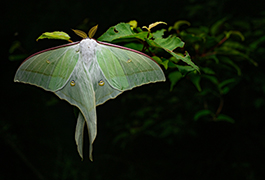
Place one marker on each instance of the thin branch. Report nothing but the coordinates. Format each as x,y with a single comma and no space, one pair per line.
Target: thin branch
218,111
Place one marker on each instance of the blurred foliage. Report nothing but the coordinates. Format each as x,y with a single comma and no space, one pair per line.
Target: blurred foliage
203,123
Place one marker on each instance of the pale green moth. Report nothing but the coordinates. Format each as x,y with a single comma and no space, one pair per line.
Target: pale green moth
87,74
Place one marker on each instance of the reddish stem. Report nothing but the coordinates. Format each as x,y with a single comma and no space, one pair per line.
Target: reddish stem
218,111
218,44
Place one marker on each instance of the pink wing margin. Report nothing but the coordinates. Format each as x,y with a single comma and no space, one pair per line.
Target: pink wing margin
104,43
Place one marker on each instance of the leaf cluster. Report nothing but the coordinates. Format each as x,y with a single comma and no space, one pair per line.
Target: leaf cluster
212,64
161,48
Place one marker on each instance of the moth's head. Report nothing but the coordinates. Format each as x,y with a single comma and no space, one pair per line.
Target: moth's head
83,35
88,44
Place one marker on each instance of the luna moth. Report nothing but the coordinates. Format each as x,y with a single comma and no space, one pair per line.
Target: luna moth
86,74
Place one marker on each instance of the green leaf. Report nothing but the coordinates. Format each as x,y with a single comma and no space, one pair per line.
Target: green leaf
180,23
216,26
121,31
173,59
222,117
229,33
222,86
256,43
165,64
158,33
17,57
213,57
191,38
171,64
55,35
224,50
170,43
207,70
195,79
201,31
116,32
174,77
185,59
15,45
202,113
206,91
225,82
213,79
228,61
235,45
133,24
133,45
160,61
225,90
184,69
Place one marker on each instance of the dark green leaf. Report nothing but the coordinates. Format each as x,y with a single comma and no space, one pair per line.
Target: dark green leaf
17,57
171,64
198,30
213,57
207,70
225,90
160,61
224,50
136,46
228,61
185,69
216,26
180,23
225,82
174,77
121,31
15,45
202,113
222,117
185,59
235,45
229,33
195,79
254,45
191,38
213,79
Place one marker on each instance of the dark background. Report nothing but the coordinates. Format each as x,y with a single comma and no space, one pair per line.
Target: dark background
37,129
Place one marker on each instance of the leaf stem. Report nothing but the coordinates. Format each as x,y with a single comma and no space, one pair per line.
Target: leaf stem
218,111
217,45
